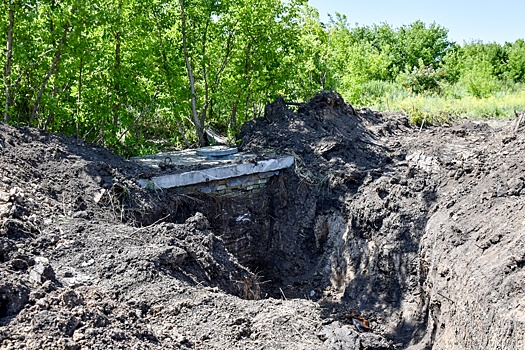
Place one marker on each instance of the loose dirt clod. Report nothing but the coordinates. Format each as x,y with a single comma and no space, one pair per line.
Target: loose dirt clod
382,236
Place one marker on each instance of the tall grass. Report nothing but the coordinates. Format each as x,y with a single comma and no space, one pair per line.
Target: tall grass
452,102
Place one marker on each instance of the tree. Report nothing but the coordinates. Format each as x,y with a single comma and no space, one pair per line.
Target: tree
8,61
311,56
515,70
416,42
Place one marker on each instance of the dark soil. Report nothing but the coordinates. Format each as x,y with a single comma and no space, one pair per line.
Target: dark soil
382,236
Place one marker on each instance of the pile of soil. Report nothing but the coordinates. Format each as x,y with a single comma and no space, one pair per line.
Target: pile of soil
382,236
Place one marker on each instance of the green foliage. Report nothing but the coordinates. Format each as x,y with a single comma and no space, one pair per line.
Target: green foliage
422,79
115,73
418,45
515,70
478,78
441,109
451,65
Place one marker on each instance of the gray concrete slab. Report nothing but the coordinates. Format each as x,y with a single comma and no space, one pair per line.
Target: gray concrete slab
194,166
216,173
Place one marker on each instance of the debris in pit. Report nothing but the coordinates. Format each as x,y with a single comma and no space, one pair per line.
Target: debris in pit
359,322
167,163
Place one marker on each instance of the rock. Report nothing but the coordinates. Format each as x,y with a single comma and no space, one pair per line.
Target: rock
198,222
14,295
81,215
70,299
374,341
339,337
18,264
42,304
68,344
41,271
88,263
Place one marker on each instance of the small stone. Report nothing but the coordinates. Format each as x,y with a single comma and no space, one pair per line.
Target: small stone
88,263
64,244
69,344
48,286
41,271
70,298
81,215
18,264
43,304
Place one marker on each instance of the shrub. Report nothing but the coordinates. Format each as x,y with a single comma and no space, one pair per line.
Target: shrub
422,79
478,79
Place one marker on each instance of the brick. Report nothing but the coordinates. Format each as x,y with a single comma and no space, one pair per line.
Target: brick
236,181
267,174
205,189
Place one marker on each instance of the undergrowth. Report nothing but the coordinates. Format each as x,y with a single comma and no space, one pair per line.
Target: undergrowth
450,103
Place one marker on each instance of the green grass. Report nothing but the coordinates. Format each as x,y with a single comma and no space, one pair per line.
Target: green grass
432,109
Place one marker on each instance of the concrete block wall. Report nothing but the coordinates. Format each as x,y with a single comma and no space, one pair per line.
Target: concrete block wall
232,186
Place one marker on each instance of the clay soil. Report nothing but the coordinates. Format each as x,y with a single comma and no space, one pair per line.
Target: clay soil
382,236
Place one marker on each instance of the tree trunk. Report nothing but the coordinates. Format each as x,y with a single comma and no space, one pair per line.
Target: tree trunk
48,75
79,95
199,126
233,119
167,73
204,111
118,40
9,58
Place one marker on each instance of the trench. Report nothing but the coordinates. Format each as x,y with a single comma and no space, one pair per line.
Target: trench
351,250
344,230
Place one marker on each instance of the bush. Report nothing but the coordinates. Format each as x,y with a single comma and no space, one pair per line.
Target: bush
478,79
422,79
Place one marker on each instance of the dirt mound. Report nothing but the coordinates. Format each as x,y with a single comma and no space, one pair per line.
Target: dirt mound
69,227
381,236
349,233
328,138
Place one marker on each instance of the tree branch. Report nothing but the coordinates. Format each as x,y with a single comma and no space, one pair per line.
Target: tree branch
48,75
199,127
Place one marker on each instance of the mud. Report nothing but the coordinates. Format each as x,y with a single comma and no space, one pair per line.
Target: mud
382,236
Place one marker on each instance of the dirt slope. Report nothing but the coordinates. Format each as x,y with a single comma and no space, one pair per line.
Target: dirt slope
417,231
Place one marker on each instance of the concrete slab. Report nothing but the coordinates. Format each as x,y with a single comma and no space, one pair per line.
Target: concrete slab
213,152
227,165
190,157
216,173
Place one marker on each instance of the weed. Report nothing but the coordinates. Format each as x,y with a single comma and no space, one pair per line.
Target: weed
436,110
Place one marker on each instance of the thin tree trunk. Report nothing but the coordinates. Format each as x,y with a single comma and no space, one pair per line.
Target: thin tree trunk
199,126
9,58
168,74
79,95
233,120
118,39
54,93
205,72
48,75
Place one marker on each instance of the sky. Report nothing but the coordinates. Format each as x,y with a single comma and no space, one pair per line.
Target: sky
467,20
